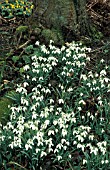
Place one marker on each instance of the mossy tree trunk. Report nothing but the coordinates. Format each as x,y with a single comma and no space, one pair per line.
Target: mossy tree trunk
60,19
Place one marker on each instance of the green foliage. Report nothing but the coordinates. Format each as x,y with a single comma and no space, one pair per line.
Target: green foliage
21,29
96,35
4,110
61,119
55,35
10,9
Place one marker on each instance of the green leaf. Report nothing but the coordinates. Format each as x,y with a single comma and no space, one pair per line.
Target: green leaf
15,58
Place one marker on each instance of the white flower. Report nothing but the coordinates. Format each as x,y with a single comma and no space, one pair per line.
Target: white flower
28,146
63,141
83,76
25,84
60,101
70,90
80,138
88,114
55,122
94,150
91,137
82,102
37,43
106,161
47,122
106,79
64,132
79,108
102,162
59,157
88,58
100,102
84,161
92,117
80,146
26,67
102,60
51,101
103,73
63,48
37,150
43,154
69,156
51,132
88,84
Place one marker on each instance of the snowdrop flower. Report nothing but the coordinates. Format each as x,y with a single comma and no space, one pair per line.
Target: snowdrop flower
43,154
88,84
106,79
94,150
103,73
34,115
69,90
88,58
25,84
80,138
84,161
80,146
56,150
83,76
100,102
51,132
63,48
37,43
60,101
64,132
106,161
59,157
26,67
90,74
69,156
51,101
92,117
91,137
63,59
79,108
28,146
21,90
102,162
10,126
34,79
55,122
88,49
82,102
37,150
75,142
102,61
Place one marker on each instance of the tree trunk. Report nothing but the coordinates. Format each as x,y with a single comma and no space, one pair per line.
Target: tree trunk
60,20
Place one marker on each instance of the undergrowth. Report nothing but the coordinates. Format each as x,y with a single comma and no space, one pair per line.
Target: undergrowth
61,117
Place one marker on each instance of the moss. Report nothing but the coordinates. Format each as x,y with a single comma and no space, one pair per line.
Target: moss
54,35
37,31
21,29
96,34
4,110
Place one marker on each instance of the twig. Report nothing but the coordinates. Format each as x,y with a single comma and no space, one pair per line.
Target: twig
23,45
14,163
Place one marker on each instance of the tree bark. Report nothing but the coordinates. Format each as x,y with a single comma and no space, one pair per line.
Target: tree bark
62,20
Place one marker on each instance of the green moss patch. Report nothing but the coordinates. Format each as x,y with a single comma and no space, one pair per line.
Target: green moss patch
4,110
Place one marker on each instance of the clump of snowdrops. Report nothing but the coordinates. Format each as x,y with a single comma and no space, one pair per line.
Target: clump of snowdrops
62,118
